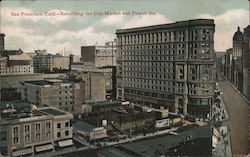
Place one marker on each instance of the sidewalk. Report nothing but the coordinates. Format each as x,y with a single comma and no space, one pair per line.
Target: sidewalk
223,148
248,101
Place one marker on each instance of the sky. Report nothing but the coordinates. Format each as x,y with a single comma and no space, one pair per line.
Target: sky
32,24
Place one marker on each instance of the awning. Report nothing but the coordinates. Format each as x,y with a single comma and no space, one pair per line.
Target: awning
65,143
44,147
22,152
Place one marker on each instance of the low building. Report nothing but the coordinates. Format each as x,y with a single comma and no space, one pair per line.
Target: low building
63,94
99,55
27,130
11,86
104,107
15,62
88,132
188,139
109,74
94,84
47,63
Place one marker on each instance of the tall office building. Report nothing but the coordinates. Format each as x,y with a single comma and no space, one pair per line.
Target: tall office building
237,75
63,94
246,62
168,65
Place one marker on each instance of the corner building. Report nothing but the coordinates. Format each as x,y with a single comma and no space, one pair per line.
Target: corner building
168,65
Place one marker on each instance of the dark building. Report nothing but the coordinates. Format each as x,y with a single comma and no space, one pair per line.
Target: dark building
228,68
110,80
237,75
99,55
2,42
168,65
47,63
246,62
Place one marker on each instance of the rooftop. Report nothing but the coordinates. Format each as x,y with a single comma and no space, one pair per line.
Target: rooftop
83,126
17,109
160,144
194,22
47,82
106,102
53,111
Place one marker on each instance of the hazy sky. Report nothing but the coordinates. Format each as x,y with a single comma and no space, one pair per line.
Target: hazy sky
55,33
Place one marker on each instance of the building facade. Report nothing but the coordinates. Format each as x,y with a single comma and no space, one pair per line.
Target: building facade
246,62
168,65
11,86
45,63
95,86
237,75
62,94
15,62
109,74
228,64
2,42
99,55
26,130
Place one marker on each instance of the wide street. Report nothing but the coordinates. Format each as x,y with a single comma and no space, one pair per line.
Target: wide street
238,110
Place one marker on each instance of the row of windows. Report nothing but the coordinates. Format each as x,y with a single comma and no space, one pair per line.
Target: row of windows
66,133
140,49
149,87
148,69
150,64
66,124
27,133
165,76
149,58
168,36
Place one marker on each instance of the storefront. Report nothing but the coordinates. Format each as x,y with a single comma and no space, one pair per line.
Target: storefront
65,143
43,148
22,152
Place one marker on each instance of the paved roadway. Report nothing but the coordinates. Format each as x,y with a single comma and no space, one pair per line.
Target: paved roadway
238,110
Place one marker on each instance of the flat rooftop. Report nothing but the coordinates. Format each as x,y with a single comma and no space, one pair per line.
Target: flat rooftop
106,102
160,144
17,109
53,112
83,126
178,24
47,82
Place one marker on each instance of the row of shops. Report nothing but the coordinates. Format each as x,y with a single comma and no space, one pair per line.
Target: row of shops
43,148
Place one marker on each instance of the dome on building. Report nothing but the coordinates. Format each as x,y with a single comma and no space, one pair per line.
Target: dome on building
238,35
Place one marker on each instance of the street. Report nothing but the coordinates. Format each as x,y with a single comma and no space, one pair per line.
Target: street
238,110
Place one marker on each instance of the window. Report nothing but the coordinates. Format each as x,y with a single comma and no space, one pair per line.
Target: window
67,133
3,136
67,124
27,139
38,127
58,125
48,135
48,125
38,136
15,130
59,134
26,128
15,140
